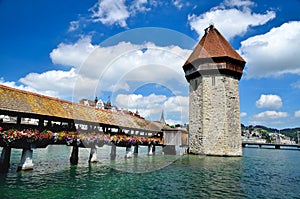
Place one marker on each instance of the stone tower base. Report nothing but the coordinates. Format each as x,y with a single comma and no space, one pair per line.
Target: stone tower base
215,127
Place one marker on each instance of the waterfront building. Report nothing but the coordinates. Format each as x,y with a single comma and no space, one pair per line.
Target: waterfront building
87,102
213,71
175,140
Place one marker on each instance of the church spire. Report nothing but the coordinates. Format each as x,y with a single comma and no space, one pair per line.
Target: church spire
162,117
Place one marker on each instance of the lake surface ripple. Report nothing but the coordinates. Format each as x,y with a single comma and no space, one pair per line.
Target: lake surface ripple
260,173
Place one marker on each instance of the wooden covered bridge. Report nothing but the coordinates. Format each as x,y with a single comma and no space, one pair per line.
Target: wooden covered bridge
29,120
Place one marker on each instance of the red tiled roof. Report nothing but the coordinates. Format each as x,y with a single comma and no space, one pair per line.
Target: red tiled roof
16,100
213,45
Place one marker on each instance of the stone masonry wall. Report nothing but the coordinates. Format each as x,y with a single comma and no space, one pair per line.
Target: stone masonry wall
214,127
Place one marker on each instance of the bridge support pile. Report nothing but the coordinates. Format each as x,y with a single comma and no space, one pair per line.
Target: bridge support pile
151,149
113,152
5,159
74,155
128,152
93,155
136,150
26,160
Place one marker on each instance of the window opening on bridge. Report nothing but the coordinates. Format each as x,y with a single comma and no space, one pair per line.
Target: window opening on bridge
114,130
8,119
30,121
99,128
82,127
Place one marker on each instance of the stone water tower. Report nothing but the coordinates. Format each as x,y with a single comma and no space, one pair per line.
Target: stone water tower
213,71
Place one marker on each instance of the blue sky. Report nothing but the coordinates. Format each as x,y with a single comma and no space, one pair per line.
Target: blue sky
133,51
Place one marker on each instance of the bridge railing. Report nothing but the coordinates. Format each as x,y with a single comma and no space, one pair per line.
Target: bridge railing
33,138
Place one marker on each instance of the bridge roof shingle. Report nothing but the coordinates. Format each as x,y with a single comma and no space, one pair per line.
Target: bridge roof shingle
16,100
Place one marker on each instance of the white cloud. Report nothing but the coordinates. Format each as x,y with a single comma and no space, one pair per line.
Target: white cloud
232,18
296,85
273,53
132,101
110,12
150,65
116,12
269,101
297,114
74,25
28,88
270,115
72,54
139,6
114,67
270,123
124,66
178,4
175,107
148,106
238,3
57,83
243,114
63,77
177,104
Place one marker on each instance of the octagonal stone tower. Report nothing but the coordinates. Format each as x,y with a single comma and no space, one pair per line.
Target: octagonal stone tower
213,71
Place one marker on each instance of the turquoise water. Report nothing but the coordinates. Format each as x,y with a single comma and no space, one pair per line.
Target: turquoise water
260,173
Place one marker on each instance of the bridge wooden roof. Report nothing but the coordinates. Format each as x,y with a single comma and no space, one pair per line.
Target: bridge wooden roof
15,100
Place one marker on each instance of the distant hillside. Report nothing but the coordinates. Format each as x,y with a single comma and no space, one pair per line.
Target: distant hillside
290,132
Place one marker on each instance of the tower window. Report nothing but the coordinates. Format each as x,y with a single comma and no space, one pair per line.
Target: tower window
196,84
213,81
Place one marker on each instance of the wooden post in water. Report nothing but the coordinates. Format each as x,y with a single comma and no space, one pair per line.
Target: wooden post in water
113,152
150,149
128,152
26,160
93,155
136,150
74,155
5,159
